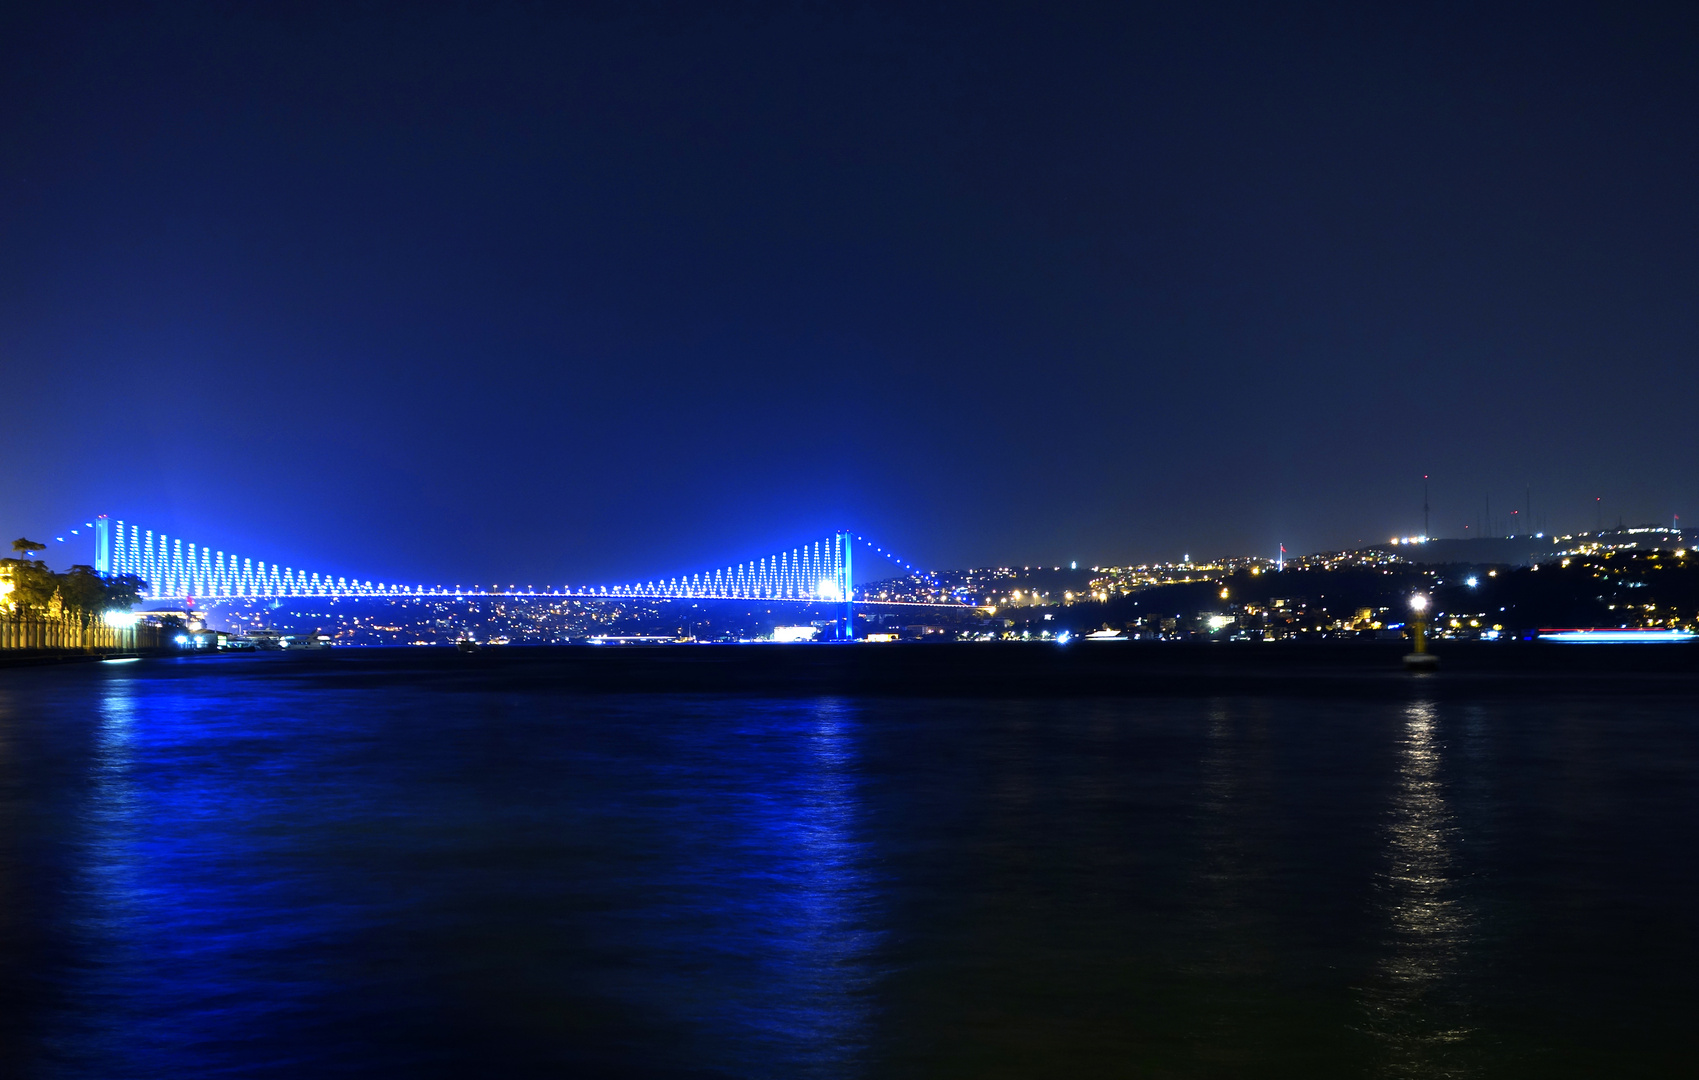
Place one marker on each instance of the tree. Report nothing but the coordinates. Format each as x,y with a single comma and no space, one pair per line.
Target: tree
32,584
29,586
123,592
82,591
27,547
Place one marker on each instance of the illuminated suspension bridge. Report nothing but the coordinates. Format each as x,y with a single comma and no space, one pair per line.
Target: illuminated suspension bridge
174,569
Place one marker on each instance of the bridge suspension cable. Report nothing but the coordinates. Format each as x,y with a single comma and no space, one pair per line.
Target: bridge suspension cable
819,571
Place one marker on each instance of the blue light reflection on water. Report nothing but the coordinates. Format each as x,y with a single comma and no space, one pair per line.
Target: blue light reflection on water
252,897
257,873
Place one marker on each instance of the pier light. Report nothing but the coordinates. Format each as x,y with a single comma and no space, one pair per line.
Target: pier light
1418,603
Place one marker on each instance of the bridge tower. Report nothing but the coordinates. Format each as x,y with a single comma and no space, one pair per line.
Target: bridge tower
846,581
103,546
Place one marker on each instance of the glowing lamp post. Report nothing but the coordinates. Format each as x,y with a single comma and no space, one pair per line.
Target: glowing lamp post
1420,659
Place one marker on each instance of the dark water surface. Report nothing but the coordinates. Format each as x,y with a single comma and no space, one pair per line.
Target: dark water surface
253,868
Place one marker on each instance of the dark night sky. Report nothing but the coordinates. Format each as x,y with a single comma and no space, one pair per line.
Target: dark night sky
507,293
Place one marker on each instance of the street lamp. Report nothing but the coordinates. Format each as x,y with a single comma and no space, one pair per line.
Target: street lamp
1420,659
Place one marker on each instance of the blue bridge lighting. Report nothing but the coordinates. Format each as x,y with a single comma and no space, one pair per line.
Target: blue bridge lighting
815,572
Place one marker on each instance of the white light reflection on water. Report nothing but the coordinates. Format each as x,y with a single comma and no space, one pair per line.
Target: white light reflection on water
1411,1001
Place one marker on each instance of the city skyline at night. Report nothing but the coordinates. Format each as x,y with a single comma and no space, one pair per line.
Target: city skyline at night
509,292
848,540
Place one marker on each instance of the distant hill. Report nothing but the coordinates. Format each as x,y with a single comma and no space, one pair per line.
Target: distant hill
1528,550
1498,550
